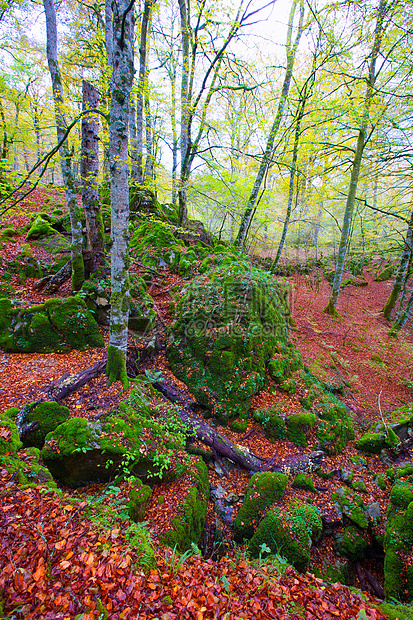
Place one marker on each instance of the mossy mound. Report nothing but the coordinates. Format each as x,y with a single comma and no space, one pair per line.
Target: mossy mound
303,481
353,543
335,571
384,274
288,532
56,325
9,434
48,416
351,506
8,235
156,244
398,542
230,322
79,452
272,421
27,469
375,442
188,525
298,424
139,496
263,490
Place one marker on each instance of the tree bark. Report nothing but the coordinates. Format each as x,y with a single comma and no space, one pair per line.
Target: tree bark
89,169
78,275
121,53
401,272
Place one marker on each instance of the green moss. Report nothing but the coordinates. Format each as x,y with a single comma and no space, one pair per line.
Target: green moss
263,490
78,272
27,470
302,481
71,317
402,494
116,366
272,423
40,227
139,497
395,611
8,234
380,482
375,442
9,436
48,416
353,543
288,532
187,527
297,426
359,485
352,506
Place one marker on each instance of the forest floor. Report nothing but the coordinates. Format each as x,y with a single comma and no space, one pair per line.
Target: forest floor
59,563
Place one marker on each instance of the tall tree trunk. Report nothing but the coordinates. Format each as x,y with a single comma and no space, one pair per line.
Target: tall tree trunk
356,166
267,156
142,86
89,170
78,270
121,83
401,272
185,102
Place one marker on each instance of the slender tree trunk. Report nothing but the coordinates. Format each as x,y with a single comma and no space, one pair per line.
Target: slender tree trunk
78,270
401,321
142,86
401,272
266,159
89,170
356,166
122,76
185,37
175,141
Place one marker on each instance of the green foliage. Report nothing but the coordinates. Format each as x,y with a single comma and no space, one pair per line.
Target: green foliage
263,490
27,469
297,425
272,423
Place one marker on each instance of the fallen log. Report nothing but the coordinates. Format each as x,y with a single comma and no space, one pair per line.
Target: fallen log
225,447
50,284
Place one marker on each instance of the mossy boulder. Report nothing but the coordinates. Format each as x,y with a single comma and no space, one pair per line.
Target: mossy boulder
79,452
303,481
288,532
375,442
263,490
27,469
298,424
9,434
229,323
352,506
398,542
335,571
188,525
272,422
353,543
139,496
40,227
384,274
57,325
48,416
9,234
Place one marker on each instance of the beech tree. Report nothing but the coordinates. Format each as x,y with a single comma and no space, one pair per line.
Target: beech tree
119,41
78,270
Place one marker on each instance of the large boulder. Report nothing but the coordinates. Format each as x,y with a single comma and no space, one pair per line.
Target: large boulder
230,322
56,325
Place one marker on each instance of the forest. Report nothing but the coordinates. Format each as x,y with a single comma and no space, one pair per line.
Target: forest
206,296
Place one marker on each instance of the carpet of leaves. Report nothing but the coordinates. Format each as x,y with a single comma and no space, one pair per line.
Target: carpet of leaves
55,563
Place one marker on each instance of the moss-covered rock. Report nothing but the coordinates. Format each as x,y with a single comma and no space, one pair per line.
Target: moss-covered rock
303,481
298,425
229,323
288,532
48,416
384,274
188,525
56,325
40,227
398,542
352,506
139,496
272,422
80,452
353,543
375,442
263,490
335,571
9,435
27,469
